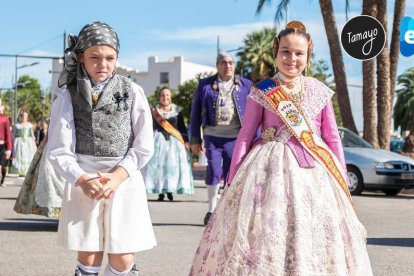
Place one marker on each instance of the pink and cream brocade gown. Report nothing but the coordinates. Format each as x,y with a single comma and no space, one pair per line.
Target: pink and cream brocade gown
282,213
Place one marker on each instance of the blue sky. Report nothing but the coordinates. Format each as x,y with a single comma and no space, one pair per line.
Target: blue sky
161,28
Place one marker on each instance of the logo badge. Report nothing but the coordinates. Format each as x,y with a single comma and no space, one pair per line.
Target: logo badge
294,117
407,36
363,37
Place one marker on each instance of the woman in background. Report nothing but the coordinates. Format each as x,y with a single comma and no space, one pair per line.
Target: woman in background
24,146
169,170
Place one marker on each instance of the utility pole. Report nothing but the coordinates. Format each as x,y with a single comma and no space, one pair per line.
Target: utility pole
64,43
218,45
16,67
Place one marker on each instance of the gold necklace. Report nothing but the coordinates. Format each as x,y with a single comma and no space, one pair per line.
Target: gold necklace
294,88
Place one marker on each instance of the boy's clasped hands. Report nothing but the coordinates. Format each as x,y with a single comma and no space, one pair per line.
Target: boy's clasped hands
102,186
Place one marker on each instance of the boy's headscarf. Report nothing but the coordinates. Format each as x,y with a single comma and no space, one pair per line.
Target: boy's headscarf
74,74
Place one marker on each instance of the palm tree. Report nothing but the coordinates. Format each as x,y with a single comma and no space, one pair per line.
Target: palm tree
369,91
335,52
256,60
383,83
404,109
399,10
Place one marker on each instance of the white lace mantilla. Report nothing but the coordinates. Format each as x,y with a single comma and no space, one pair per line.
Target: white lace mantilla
172,113
317,96
258,97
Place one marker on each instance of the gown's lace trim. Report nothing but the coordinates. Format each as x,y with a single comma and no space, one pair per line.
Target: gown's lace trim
317,96
259,98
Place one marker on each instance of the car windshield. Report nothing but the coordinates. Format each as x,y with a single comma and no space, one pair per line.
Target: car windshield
351,140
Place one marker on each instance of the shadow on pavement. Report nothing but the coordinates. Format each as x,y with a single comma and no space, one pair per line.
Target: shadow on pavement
403,242
8,198
199,173
178,200
381,195
29,225
177,224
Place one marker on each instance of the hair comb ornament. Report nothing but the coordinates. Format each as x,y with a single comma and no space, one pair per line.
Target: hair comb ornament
296,25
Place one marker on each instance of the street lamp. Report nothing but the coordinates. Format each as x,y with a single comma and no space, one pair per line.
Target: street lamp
14,115
42,102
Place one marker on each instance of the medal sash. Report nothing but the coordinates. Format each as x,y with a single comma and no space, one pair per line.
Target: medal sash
166,125
299,127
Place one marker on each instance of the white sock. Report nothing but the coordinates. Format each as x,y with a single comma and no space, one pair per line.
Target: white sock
89,269
212,192
110,271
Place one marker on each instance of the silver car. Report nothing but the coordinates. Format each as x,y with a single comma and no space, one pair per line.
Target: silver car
375,169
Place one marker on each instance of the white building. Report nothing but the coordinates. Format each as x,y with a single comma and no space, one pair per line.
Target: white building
160,73
173,72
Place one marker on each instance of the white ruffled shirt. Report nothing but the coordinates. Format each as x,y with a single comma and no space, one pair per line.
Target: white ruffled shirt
62,138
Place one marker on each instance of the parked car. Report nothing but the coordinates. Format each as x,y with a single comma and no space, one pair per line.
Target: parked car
375,169
396,145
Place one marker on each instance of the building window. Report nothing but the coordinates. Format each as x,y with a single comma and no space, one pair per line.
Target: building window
164,78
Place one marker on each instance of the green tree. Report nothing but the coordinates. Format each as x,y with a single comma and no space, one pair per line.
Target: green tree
28,99
404,109
183,96
319,70
256,56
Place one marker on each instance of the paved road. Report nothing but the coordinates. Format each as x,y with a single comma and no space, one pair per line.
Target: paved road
28,242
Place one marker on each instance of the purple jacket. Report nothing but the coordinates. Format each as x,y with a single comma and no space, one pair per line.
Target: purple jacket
203,110
318,107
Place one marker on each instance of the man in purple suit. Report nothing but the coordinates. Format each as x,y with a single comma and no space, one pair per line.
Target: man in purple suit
218,108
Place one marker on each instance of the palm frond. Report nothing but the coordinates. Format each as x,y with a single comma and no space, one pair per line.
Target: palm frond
281,10
260,5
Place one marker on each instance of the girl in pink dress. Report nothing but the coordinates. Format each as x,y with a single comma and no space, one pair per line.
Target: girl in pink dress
287,210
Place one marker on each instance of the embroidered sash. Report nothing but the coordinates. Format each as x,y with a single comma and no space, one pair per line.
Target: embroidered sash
166,125
299,126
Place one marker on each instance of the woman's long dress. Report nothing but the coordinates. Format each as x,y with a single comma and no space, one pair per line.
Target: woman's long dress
42,189
24,148
169,170
278,217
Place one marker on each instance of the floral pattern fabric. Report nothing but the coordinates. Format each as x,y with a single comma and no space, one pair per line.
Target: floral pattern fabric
277,218
169,170
26,201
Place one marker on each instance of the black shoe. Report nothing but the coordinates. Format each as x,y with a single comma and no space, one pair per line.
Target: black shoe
134,270
170,196
207,218
80,272
161,197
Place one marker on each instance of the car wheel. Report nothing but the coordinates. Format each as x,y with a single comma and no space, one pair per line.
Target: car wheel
356,184
392,192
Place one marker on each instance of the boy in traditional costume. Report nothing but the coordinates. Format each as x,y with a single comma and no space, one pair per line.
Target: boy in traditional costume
100,137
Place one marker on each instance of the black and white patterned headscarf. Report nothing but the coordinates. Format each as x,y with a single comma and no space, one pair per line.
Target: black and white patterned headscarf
74,74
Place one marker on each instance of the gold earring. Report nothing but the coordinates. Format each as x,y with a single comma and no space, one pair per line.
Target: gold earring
275,65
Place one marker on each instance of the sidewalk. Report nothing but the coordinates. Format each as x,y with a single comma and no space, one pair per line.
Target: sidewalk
28,243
